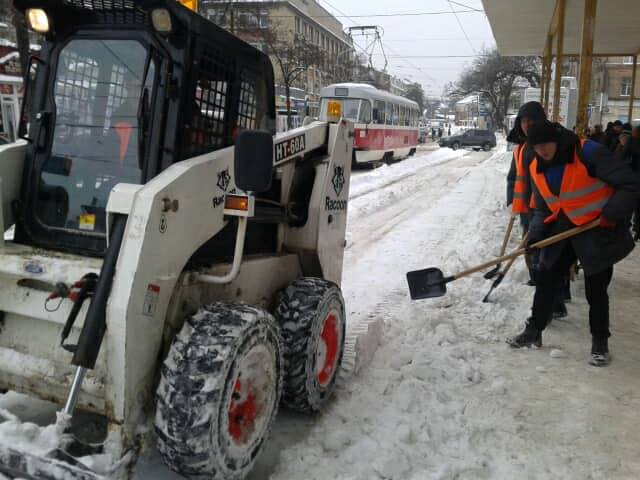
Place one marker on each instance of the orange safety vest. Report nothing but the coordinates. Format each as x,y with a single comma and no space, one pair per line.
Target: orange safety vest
519,204
581,196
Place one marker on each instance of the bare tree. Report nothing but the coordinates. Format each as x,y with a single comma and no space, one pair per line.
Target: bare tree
494,77
415,92
292,55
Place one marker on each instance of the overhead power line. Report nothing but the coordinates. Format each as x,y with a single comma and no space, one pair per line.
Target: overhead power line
375,15
461,27
467,6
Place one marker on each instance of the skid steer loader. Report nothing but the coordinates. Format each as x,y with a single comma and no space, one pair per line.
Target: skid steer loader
174,263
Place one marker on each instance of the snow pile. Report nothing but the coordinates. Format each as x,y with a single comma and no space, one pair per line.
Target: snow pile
444,397
363,183
32,438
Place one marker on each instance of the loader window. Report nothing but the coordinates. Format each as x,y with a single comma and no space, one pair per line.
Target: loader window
97,92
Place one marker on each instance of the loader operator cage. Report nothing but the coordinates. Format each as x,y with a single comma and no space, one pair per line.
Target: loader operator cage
123,90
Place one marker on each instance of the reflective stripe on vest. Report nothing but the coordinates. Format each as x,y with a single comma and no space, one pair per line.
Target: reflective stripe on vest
581,197
520,202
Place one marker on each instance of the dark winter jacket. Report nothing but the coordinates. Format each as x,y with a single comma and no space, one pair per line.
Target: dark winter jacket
631,154
610,140
534,111
599,248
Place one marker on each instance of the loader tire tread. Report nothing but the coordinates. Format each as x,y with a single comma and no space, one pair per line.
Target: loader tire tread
300,311
193,390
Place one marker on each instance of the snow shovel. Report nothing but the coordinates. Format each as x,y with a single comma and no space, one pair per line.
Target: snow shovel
507,236
503,273
431,282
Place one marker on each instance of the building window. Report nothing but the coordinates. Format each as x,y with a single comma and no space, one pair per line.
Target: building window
627,60
625,87
297,25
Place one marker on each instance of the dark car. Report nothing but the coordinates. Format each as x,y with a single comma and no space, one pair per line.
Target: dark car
474,137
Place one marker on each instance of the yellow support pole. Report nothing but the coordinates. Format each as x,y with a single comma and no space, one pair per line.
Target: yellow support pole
559,48
547,73
542,77
586,54
633,87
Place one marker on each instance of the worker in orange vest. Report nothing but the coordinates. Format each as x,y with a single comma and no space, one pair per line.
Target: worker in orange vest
520,196
576,181
518,182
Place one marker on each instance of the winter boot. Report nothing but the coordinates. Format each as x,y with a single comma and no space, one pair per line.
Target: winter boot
559,310
530,337
599,352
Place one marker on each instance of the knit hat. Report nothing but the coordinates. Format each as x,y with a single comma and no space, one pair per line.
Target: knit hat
533,111
543,132
617,123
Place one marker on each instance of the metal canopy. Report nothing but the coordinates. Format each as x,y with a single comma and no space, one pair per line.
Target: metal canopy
520,27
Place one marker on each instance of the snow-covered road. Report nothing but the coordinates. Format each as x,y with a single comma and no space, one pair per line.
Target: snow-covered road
444,397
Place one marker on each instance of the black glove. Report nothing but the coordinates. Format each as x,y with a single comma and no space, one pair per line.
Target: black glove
530,242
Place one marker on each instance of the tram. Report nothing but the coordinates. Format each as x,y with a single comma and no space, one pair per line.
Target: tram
386,125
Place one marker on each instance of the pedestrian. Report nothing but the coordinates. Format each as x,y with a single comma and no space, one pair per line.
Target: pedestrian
596,134
631,155
611,135
449,131
575,182
439,132
433,134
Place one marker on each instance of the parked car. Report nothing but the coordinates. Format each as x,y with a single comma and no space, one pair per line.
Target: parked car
484,139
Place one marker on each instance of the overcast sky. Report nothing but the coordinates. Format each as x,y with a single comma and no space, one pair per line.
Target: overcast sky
414,36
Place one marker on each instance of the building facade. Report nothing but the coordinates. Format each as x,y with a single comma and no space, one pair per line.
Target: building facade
611,91
307,45
11,91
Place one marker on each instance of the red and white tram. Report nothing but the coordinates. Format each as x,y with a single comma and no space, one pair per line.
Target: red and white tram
386,125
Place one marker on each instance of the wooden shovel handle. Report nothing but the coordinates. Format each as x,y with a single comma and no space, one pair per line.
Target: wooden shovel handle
507,235
521,251
522,244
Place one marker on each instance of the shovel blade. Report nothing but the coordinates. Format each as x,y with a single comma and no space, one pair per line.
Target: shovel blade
427,283
492,273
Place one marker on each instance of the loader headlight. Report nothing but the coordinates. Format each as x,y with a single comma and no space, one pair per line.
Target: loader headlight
161,20
334,109
37,20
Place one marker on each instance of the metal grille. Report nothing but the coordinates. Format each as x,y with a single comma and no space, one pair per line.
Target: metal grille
247,107
113,11
76,90
103,4
210,114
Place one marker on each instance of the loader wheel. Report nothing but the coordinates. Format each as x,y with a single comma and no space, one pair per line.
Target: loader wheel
311,315
219,392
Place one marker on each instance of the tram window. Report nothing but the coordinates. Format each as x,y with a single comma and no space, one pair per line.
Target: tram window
388,114
378,112
365,111
396,115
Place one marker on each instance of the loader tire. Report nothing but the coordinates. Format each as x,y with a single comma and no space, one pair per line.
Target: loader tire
219,392
311,315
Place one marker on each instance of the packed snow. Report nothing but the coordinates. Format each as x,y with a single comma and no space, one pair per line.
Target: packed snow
435,393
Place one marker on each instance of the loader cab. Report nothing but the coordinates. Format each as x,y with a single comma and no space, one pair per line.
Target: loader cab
122,91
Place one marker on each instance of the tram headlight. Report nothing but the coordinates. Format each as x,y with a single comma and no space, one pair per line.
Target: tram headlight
334,109
161,20
37,20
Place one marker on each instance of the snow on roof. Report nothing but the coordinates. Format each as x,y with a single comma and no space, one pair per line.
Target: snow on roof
468,99
8,57
10,79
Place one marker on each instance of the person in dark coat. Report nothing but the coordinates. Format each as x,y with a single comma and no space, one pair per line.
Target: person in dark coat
597,135
529,114
598,249
611,135
631,155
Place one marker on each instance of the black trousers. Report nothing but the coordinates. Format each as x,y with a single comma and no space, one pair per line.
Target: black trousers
549,283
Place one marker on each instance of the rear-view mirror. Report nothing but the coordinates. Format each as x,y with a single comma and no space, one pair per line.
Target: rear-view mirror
253,161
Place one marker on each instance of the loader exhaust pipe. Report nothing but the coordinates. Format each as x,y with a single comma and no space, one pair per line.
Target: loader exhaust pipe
95,323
